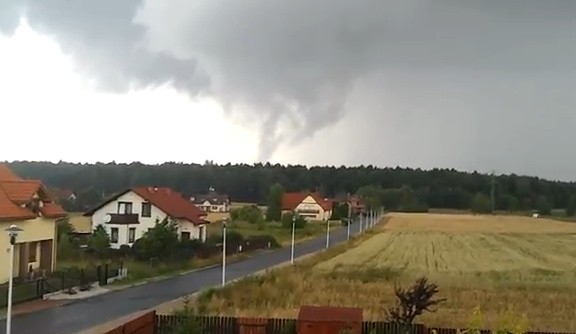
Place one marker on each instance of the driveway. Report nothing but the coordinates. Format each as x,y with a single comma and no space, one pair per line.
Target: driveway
84,314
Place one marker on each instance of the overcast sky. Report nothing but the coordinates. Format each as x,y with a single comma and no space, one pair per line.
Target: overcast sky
473,85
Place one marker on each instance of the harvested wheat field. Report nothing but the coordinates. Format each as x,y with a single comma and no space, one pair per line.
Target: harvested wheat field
526,266
461,223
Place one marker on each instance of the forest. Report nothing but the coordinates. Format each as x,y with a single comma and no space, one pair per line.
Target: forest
396,188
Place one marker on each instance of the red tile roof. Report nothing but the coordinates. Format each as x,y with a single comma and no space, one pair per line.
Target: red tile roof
7,175
52,210
291,200
11,211
21,191
165,199
172,203
15,192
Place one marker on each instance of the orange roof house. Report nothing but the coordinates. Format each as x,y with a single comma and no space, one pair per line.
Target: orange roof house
307,204
18,197
27,204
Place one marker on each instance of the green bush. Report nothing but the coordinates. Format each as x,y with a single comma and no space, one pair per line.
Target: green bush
250,213
287,221
231,237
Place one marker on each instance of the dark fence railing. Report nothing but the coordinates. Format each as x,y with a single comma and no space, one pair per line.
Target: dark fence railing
27,290
168,324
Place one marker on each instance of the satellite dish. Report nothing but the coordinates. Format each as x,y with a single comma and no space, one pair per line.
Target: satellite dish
107,218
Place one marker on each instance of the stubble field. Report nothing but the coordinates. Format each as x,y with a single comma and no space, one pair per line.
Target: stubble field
523,265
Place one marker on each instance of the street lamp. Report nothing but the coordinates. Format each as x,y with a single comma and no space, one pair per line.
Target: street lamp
348,232
223,252
13,231
327,233
293,232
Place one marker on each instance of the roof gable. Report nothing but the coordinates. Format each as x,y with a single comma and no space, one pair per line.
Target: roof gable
291,200
172,203
212,197
165,199
15,192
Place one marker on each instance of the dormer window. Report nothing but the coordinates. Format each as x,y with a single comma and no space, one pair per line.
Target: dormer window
34,205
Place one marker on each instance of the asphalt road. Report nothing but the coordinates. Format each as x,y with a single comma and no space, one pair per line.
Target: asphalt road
84,314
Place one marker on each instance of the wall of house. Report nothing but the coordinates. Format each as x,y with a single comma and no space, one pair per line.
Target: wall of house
33,230
307,207
112,207
145,222
207,207
196,232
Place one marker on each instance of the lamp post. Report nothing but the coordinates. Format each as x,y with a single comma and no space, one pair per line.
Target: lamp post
224,253
361,221
327,233
348,232
12,231
293,233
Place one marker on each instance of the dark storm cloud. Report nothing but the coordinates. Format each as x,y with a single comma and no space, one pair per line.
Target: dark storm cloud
478,82
104,42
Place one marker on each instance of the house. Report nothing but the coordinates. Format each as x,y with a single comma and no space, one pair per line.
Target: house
63,194
27,204
355,205
308,205
212,202
126,216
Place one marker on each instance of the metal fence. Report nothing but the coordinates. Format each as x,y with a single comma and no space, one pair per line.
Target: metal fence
169,324
61,280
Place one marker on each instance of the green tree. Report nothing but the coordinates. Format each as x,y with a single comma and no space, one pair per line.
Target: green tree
160,242
287,221
63,228
99,242
274,203
481,204
340,211
571,206
248,213
371,196
543,206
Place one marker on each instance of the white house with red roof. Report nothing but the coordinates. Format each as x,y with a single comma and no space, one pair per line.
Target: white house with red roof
308,205
28,205
131,213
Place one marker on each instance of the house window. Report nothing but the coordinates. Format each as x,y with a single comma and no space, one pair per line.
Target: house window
32,251
124,207
114,235
146,209
214,208
185,236
131,235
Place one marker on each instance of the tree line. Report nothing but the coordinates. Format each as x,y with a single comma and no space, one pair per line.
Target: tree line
396,188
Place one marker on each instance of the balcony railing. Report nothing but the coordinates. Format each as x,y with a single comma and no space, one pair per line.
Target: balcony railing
124,218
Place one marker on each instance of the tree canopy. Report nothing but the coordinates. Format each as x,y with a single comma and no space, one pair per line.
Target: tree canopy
397,188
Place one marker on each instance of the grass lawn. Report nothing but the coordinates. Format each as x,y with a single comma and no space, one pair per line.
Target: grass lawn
505,264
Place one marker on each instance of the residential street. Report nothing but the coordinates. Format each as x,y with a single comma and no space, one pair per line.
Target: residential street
87,313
